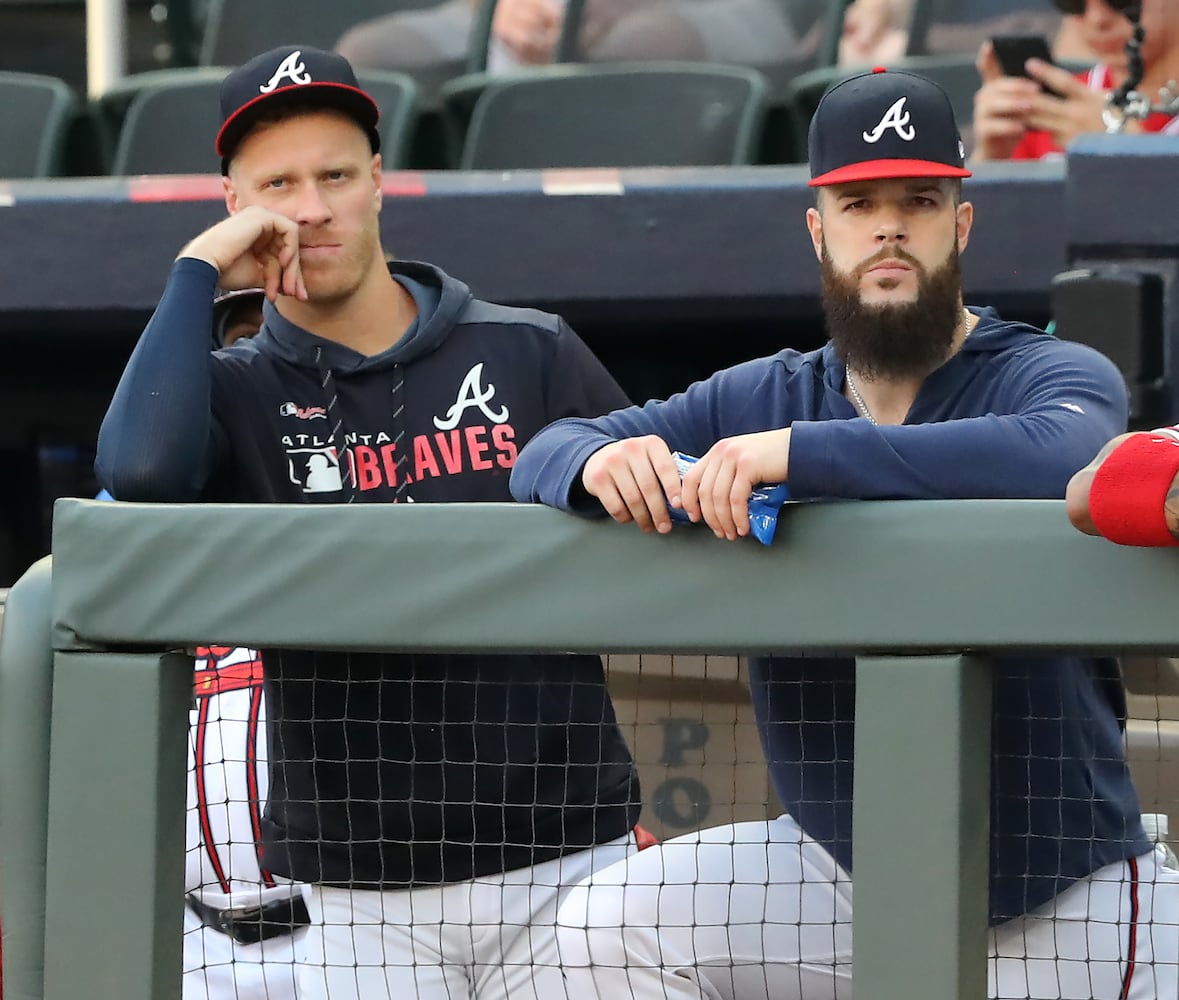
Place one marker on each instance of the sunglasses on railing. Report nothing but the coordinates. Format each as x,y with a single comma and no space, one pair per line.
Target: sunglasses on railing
1078,6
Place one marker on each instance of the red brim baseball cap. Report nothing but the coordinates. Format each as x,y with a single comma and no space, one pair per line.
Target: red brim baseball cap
291,75
884,125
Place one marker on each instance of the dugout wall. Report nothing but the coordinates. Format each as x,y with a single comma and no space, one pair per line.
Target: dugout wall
131,584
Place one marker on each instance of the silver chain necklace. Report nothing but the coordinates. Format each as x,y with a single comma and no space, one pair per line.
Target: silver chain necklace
858,400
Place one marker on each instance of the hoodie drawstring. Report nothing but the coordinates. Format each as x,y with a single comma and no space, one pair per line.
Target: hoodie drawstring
335,425
397,401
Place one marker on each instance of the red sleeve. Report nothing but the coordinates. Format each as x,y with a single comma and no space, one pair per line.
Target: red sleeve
1035,145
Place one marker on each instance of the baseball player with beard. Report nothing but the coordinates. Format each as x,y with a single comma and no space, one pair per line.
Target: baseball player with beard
915,397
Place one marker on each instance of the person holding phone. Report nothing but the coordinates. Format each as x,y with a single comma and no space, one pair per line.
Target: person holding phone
1037,114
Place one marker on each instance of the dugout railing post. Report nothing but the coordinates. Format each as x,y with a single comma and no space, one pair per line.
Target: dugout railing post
922,722
26,677
115,844
930,581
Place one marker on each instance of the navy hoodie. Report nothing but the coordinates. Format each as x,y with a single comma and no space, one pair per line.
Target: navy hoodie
388,770
1013,414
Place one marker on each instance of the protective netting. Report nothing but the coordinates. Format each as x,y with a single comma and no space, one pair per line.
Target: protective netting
732,876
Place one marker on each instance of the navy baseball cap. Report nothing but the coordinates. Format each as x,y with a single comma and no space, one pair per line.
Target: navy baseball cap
291,74
884,124
229,306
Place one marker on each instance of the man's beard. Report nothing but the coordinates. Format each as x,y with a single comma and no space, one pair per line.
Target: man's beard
893,341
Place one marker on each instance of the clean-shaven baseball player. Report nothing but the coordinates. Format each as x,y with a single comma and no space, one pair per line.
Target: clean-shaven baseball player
439,806
914,397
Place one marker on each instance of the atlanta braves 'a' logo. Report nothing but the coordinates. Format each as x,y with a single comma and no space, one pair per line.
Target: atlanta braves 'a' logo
472,393
897,119
291,68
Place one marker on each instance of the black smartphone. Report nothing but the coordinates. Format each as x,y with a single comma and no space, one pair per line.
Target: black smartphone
1013,52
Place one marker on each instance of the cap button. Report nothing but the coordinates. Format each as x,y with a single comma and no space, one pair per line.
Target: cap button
879,69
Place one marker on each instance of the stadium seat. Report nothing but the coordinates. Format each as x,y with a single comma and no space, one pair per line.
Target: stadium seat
955,72
938,26
657,114
165,121
237,30
35,115
173,116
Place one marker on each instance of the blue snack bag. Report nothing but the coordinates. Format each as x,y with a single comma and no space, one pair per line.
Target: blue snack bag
764,503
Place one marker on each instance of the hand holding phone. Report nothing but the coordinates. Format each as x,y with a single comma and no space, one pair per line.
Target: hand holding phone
1013,52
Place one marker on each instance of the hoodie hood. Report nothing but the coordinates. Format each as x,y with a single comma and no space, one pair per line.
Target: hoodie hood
440,300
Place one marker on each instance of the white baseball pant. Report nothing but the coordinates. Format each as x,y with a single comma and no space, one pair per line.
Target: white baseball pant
760,911
490,938
227,780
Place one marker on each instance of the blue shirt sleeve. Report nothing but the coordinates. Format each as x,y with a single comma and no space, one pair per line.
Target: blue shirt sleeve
159,440
1061,405
1053,409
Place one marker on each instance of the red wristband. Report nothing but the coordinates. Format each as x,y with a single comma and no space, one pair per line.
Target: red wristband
1130,487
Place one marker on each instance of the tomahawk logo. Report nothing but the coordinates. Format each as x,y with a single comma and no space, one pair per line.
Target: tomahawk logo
471,393
897,119
291,68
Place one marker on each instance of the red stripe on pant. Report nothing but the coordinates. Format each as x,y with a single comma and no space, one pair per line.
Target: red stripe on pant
1132,943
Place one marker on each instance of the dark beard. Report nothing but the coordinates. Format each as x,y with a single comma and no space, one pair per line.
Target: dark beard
893,341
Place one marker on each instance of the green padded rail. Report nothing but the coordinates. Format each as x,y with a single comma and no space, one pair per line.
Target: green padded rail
921,576
938,585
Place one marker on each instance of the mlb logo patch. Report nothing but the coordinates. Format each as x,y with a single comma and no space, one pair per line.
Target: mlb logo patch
314,470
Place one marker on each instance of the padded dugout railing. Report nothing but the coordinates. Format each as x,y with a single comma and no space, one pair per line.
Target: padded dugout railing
932,588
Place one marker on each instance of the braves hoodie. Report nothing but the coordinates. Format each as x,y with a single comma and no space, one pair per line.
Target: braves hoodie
388,770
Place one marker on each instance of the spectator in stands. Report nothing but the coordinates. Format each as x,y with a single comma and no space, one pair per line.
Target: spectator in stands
914,397
874,31
1020,119
877,31
525,33
426,799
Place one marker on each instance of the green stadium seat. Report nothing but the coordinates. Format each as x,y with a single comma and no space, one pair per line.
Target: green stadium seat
237,30
656,114
35,116
172,117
